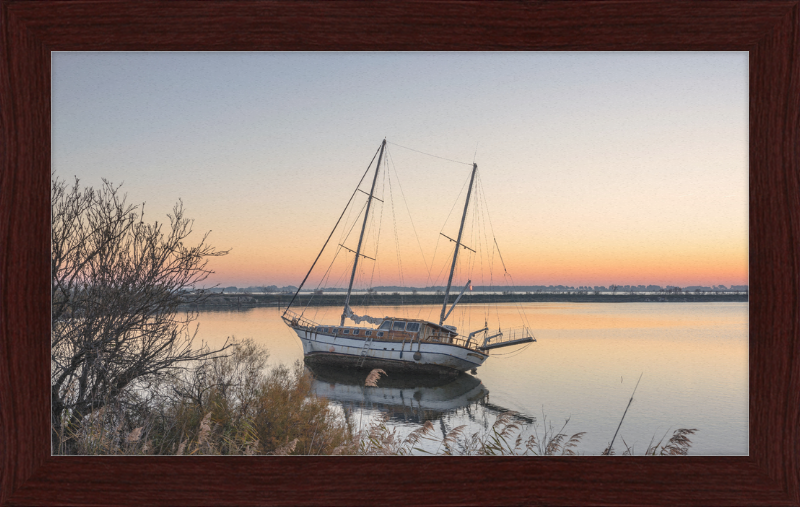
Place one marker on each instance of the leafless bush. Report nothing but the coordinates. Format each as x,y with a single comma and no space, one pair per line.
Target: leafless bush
116,283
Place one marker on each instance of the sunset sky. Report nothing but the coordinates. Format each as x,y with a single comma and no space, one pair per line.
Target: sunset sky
594,168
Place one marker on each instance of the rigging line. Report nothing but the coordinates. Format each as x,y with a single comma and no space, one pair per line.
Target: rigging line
360,277
328,271
319,285
322,280
491,226
378,236
433,282
490,259
488,215
500,254
396,240
331,234
448,217
490,262
377,240
483,244
514,352
342,277
428,282
394,167
496,304
454,203
441,274
485,229
517,304
475,235
346,221
372,234
481,238
428,154
355,222
357,280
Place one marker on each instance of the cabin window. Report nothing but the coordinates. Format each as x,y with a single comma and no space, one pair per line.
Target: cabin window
412,327
369,333
355,332
387,325
346,331
380,333
399,326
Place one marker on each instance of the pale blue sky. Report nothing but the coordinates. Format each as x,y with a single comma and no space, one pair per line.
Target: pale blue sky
580,153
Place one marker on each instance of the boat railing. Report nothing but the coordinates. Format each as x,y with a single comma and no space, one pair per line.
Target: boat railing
505,337
295,319
463,342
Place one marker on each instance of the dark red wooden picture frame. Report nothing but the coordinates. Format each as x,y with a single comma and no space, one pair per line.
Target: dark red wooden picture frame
770,31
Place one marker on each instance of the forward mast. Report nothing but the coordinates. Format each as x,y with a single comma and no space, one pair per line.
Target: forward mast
361,237
455,253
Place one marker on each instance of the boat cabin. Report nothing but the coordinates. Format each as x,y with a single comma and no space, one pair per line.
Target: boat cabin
396,330
421,330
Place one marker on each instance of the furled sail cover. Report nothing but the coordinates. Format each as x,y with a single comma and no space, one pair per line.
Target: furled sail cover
358,319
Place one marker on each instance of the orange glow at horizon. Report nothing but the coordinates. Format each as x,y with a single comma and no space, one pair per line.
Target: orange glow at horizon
535,266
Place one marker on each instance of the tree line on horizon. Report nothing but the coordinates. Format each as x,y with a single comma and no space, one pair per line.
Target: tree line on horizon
271,289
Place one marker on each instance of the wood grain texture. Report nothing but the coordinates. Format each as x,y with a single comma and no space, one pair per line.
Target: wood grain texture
29,31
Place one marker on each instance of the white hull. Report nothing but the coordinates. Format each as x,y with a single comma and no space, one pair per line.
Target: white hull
436,357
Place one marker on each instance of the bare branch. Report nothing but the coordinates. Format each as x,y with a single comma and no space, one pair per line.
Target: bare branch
116,287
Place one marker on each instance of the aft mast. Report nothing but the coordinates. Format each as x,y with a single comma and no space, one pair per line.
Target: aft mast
458,244
361,237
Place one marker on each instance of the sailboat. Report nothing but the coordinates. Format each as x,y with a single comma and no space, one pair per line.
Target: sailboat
396,343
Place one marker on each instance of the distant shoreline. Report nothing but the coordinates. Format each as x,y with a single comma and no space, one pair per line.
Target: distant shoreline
257,300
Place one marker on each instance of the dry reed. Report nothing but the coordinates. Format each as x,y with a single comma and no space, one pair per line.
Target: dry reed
373,377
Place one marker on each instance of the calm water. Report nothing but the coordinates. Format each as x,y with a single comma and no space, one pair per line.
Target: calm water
693,358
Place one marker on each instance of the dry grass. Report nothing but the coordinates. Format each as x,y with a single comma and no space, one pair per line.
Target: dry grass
373,377
230,405
677,445
286,449
504,438
233,405
379,440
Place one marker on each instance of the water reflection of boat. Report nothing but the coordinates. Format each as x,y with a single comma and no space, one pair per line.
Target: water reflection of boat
410,398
